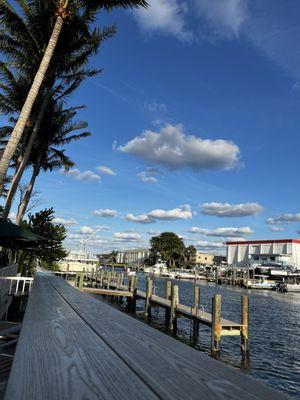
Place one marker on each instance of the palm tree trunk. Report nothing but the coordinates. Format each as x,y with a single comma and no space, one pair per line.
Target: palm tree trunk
31,97
22,165
24,203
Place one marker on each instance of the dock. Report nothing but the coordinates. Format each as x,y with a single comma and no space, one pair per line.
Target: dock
110,283
74,346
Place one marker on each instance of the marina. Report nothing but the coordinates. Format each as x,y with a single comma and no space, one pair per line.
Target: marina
273,326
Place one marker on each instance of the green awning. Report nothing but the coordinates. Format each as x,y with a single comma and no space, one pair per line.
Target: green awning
11,235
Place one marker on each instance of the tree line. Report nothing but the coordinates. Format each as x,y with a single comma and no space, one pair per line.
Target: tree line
45,52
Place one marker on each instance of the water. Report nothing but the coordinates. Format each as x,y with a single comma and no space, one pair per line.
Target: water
274,330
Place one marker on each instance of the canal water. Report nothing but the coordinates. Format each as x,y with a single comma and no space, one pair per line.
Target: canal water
274,323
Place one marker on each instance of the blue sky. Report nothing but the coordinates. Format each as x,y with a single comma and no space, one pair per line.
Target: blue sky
195,119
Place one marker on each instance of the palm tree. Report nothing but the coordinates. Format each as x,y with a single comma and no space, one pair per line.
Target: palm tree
49,161
56,128
62,10
71,72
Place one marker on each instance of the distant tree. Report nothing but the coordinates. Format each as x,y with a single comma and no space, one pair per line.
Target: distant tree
50,252
167,246
189,253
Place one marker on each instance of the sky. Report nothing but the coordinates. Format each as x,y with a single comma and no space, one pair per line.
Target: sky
195,129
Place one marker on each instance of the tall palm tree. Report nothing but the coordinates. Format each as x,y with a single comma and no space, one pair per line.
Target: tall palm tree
71,72
63,9
56,128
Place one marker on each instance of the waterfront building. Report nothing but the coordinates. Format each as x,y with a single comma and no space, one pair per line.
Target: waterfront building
285,252
77,261
200,258
132,256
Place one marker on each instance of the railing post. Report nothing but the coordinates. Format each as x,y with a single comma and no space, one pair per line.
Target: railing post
245,326
216,327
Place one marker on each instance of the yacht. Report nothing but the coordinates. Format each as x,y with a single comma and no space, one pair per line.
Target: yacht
261,282
77,261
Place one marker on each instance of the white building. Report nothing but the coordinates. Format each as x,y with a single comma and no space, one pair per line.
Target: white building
285,251
132,256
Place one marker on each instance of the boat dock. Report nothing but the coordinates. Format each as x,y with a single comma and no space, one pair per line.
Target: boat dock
73,346
111,284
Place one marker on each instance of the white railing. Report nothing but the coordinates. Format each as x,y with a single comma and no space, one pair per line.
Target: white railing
19,285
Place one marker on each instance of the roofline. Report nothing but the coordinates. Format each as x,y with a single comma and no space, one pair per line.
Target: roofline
264,241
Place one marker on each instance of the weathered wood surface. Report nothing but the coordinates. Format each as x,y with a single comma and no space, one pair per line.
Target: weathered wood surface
107,292
73,346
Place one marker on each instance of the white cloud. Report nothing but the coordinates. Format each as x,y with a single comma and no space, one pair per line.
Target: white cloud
155,107
74,236
105,170
152,232
164,16
86,230
276,229
141,218
231,210
12,216
105,212
150,175
126,237
83,176
102,228
222,232
182,212
173,148
66,222
206,246
225,17
283,219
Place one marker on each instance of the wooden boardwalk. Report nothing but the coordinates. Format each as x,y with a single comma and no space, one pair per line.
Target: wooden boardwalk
73,346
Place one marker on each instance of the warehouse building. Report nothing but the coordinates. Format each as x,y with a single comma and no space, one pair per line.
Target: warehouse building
243,254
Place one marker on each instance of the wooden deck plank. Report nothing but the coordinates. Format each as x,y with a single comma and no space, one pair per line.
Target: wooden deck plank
60,357
174,370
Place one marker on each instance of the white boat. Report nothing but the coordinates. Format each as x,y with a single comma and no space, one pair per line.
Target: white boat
159,268
128,272
293,287
168,274
185,274
261,282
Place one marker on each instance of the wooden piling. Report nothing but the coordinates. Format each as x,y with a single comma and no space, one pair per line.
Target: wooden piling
196,306
168,290
118,280
245,326
149,289
216,324
234,276
174,302
108,279
101,278
81,280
